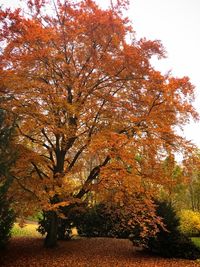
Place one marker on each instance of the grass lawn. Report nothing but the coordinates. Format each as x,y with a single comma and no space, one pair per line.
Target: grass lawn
29,230
196,240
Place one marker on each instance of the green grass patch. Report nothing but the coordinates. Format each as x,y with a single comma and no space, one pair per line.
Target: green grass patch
29,230
196,241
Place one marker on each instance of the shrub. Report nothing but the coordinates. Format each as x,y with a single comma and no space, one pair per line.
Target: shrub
99,221
8,155
170,242
7,218
190,223
64,226
103,220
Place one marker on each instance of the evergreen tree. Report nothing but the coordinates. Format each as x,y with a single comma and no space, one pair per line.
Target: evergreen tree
7,159
170,242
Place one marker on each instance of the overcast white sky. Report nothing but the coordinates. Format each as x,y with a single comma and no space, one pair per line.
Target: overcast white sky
177,24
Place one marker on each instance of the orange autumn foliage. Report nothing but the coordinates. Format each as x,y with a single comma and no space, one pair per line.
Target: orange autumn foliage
94,115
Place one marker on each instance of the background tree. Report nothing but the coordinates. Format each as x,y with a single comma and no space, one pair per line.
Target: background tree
7,159
176,182
191,167
84,93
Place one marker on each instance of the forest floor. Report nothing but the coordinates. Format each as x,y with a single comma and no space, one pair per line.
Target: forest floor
86,252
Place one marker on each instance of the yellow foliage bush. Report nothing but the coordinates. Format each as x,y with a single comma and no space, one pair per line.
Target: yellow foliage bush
190,222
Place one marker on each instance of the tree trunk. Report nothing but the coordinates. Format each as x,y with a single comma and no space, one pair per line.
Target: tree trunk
51,238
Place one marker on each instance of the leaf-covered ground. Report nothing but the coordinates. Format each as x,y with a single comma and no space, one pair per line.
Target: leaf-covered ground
94,252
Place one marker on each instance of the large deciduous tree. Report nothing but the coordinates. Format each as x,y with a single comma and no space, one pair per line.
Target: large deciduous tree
94,114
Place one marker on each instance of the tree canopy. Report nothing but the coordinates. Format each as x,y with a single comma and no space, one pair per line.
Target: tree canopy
93,113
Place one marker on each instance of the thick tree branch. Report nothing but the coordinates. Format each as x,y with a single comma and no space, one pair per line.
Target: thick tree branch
39,172
91,177
75,158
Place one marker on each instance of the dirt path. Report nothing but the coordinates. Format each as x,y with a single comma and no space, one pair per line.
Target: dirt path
94,252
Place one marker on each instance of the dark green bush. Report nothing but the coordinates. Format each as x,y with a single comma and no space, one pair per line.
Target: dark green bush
93,222
170,242
7,218
103,220
64,226
8,155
